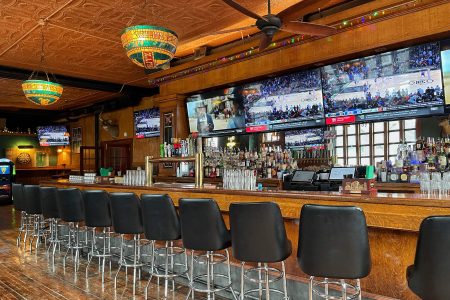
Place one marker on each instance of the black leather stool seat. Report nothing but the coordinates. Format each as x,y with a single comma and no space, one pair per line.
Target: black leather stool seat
49,203
97,208
18,197
70,204
202,225
333,242
429,277
258,232
126,213
161,221
32,200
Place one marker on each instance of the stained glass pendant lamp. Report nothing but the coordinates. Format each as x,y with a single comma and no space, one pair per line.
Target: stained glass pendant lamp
149,46
42,92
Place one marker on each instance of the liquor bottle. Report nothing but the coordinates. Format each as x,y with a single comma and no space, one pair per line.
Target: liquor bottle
442,158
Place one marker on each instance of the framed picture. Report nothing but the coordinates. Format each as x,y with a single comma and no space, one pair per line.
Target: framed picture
77,138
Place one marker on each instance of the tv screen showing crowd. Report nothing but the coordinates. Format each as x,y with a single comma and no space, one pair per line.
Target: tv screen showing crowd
147,123
53,136
407,80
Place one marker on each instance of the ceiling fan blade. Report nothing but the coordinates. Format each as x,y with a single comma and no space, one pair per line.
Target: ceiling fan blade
298,27
304,7
243,10
265,42
229,30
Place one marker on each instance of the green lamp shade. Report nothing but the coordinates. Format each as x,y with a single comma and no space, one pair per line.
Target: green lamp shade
149,46
42,92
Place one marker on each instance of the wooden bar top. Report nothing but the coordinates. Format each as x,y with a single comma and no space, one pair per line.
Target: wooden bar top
402,211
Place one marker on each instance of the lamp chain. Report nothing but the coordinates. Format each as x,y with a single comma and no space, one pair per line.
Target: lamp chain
43,52
144,5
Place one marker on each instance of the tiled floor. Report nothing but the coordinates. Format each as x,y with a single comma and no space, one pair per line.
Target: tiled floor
30,276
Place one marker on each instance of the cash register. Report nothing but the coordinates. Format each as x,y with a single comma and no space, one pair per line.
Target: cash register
337,174
301,180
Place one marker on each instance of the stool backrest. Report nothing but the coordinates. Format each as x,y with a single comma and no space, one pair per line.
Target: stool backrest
430,277
18,197
126,213
333,242
49,202
70,204
202,225
97,208
32,200
258,233
161,221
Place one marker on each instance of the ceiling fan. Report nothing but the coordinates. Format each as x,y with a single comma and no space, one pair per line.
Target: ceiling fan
271,24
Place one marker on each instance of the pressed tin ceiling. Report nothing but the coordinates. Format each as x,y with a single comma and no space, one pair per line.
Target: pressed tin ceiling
82,38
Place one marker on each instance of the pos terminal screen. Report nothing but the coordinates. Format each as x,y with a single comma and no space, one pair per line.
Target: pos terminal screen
303,176
337,174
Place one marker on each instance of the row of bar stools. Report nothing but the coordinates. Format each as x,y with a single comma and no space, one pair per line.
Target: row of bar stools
97,211
429,276
34,211
161,223
50,211
333,243
259,236
203,229
127,219
71,211
19,205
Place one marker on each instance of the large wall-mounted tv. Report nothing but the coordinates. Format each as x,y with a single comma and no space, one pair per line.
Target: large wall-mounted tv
53,135
305,138
392,85
445,54
216,112
147,123
288,101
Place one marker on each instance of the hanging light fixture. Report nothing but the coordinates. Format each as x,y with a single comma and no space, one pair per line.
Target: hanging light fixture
42,92
149,46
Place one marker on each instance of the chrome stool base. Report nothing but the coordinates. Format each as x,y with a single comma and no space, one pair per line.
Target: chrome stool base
264,282
38,231
103,253
73,245
22,227
348,291
169,252
130,262
211,286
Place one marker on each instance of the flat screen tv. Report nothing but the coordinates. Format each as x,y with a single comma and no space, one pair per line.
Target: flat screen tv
146,123
288,101
392,85
53,135
216,112
445,54
304,138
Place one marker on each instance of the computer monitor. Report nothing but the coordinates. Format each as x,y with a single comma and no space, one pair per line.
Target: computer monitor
303,176
338,173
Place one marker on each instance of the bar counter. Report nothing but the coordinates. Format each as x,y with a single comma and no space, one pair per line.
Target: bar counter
393,221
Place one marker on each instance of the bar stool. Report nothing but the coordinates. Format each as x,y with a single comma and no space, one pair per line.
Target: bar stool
429,277
71,211
34,212
19,205
333,243
127,219
97,212
48,197
203,229
258,235
161,223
